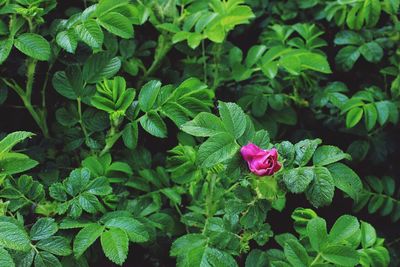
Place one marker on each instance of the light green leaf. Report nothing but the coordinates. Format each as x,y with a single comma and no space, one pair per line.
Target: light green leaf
296,254
117,24
115,245
86,237
45,259
344,229
346,57
325,155
341,255
371,116
204,124
297,180
56,245
5,49
321,191
136,231
130,135
305,150
153,124
67,40
5,258
257,258
316,231
368,235
43,228
8,142
216,149
13,237
90,33
353,117
254,54
371,51
99,66
33,45
233,118
148,95
346,179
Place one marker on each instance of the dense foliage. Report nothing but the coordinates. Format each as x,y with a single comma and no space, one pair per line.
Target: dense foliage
125,124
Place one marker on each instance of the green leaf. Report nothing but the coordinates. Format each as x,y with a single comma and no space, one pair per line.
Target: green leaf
189,249
136,231
45,259
153,124
344,229
90,33
257,258
130,135
8,142
56,245
233,118
99,66
348,38
353,117
67,40
371,116
89,203
325,155
43,228
77,181
204,124
105,6
216,149
254,55
117,24
13,237
347,56
148,95
215,257
346,179
296,254
5,49
321,191
86,237
371,51
115,245
316,231
383,111
368,235
305,150
33,45
298,179
341,255
314,61
5,258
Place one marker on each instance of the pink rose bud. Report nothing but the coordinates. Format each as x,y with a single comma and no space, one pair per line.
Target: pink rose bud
261,162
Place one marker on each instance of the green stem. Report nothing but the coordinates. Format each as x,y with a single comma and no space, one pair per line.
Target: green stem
79,103
209,200
203,52
112,136
315,261
30,75
217,59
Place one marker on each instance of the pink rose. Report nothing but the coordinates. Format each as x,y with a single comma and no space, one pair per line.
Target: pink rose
261,162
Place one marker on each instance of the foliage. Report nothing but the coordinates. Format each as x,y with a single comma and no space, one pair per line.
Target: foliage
139,112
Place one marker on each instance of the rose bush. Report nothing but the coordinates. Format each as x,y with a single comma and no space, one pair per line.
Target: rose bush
199,133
